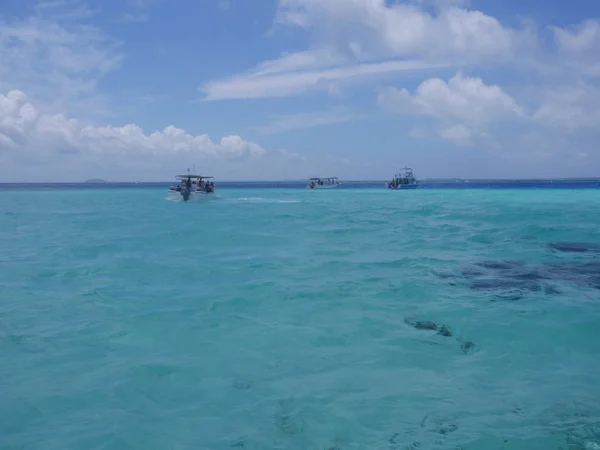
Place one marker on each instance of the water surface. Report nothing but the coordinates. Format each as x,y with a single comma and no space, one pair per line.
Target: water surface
276,319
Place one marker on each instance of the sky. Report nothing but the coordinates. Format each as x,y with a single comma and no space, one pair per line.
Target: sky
140,90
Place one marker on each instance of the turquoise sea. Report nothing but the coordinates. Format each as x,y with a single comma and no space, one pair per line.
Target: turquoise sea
274,318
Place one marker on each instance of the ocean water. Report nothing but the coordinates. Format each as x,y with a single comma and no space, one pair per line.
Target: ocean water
294,319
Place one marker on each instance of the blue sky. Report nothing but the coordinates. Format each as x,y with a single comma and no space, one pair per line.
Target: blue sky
286,89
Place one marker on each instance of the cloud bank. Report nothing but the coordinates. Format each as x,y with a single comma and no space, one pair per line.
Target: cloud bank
71,149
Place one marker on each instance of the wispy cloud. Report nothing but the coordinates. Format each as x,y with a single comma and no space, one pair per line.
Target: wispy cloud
224,5
135,17
57,59
283,84
151,98
284,123
65,10
327,57
353,41
143,4
139,12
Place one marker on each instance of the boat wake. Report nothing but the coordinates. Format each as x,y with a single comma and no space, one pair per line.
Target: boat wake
197,199
262,200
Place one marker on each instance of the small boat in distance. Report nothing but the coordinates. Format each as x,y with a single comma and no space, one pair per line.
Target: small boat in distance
405,180
192,187
323,183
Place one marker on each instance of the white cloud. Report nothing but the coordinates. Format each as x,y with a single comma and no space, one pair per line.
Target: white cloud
224,5
459,134
461,98
351,38
579,47
561,121
143,4
573,109
71,148
291,83
310,59
64,10
372,27
441,4
135,17
290,122
581,39
464,106
139,11
55,57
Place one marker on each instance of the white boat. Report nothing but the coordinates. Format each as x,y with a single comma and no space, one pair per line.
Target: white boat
403,180
323,183
192,188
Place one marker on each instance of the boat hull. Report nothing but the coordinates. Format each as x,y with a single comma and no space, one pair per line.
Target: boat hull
331,186
408,186
194,196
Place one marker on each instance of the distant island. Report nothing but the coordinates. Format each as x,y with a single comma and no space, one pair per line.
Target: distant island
95,181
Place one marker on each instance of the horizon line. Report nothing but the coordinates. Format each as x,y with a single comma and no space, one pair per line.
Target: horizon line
301,180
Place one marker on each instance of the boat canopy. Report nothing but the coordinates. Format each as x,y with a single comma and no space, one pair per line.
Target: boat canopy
200,177
323,178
